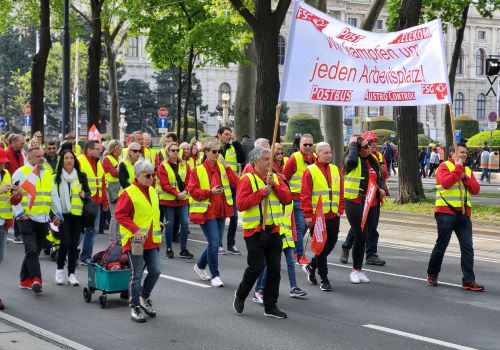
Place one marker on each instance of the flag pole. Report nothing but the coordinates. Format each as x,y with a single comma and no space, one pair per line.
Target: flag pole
460,185
275,135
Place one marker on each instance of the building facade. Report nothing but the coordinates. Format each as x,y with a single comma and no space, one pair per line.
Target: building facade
482,39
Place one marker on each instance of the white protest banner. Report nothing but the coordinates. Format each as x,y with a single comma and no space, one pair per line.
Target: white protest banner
331,63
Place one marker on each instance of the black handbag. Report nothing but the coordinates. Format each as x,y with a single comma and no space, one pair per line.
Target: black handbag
90,209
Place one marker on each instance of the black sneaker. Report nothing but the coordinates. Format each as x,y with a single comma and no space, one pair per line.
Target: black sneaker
137,315
233,250
238,304
325,286
274,312
186,254
170,253
344,258
311,276
297,293
147,306
375,260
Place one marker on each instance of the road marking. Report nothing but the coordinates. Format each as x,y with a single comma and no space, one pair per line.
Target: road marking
397,275
197,241
185,281
418,337
43,333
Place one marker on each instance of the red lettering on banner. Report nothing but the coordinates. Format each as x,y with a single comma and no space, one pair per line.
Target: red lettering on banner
347,35
318,22
323,94
382,96
414,35
438,89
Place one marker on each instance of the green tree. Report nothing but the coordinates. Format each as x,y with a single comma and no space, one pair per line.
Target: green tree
140,104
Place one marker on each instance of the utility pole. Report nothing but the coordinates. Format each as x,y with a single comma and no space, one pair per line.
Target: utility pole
66,69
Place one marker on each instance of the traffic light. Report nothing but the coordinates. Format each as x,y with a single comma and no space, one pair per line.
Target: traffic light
493,65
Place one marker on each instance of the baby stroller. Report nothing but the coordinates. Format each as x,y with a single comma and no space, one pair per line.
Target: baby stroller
54,241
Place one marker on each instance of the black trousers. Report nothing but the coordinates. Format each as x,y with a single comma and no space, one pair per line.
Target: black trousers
354,212
319,261
33,234
70,231
268,253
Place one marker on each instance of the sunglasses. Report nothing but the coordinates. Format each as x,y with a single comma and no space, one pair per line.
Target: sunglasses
147,176
279,153
174,150
366,146
215,151
307,144
135,150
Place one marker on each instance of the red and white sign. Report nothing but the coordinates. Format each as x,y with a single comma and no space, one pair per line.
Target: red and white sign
162,112
331,63
27,109
94,134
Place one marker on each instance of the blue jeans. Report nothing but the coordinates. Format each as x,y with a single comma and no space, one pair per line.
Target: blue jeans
151,260
182,216
485,174
212,229
290,263
300,224
462,226
233,224
89,238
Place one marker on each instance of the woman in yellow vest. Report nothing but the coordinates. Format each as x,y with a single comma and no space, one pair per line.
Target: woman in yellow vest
72,188
193,159
210,188
173,175
138,213
361,168
322,179
110,166
126,167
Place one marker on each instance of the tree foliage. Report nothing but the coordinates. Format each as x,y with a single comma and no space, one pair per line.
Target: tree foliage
303,123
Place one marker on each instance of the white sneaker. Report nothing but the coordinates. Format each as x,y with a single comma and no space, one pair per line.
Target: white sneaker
216,282
355,277
222,251
363,278
72,280
202,273
59,276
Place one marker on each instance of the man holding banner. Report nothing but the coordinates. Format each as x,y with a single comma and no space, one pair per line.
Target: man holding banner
322,197
363,190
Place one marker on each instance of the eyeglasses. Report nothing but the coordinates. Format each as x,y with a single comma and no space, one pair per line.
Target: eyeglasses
174,150
135,150
365,146
147,176
307,144
215,151
279,153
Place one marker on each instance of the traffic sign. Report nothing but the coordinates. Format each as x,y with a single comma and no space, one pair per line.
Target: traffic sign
458,135
27,120
3,123
492,117
163,130
162,112
162,123
492,126
27,109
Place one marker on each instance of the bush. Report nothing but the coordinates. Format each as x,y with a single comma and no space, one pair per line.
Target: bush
378,123
420,128
467,125
423,140
303,123
191,124
478,139
384,135
498,124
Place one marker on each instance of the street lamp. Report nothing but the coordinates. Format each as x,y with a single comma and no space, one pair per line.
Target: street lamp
225,107
195,96
123,124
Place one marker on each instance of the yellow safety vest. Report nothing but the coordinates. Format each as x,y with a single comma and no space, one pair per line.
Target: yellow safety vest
182,170
149,155
145,214
286,227
330,195
231,159
76,200
192,163
5,206
78,149
130,170
296,180
253,216
352,182
451,196
202,206
95,180
110,178
43,199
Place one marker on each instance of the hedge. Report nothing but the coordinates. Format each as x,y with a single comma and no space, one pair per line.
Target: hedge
467,125
384,135
478,139
191,124
303,123
381,123
423,140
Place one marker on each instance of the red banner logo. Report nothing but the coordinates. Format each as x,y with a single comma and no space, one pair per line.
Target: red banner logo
438,89
318,22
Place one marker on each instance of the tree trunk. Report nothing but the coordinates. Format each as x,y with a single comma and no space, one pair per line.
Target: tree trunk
94,65
410,183
268,84
452,74
188,92
38,69
179,96
113,92
244,103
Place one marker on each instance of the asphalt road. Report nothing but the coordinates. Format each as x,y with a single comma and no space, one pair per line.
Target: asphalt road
397,310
